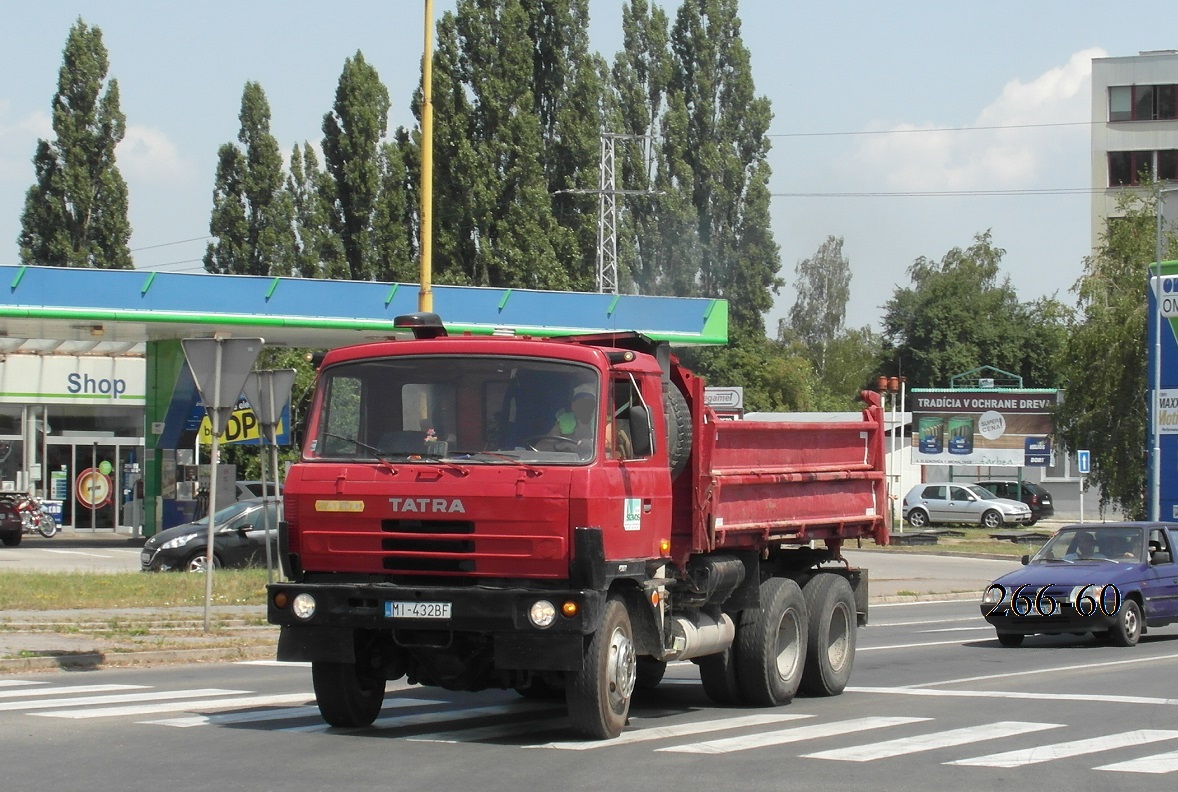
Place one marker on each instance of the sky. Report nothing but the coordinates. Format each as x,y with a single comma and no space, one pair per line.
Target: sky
876,105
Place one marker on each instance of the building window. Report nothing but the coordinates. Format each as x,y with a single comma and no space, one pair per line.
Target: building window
1120,103
1142,102
1168,165
1127,168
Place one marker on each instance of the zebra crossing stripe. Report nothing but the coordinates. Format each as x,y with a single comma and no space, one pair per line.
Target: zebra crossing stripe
19,683
9,706
258,716
796,734
1156,764
1046,753
933,741
67,690
442,716
681,730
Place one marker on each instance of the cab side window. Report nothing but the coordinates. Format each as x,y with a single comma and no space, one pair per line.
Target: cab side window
619,443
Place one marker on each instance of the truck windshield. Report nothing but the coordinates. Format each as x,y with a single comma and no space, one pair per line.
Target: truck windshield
489,410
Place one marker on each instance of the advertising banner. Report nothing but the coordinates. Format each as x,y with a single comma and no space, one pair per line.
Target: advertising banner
1007,427
1165,287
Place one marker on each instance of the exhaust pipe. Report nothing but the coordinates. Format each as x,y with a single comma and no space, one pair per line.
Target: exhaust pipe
700,635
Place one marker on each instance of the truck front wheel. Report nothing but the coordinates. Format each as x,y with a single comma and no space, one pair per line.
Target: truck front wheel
348,694
599,694
771,645
830,653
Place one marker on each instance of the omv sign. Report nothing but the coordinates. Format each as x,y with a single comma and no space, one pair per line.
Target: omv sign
1169,295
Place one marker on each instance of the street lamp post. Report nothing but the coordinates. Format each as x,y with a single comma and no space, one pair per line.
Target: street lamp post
1155,506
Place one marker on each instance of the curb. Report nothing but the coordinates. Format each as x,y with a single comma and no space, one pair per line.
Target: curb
97,660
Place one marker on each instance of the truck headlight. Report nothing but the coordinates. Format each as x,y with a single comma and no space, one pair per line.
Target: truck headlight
542,614
303,606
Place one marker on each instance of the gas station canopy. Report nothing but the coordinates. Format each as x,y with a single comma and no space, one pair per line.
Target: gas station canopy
94,311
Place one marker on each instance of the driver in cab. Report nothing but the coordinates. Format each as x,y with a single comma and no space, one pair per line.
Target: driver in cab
575,424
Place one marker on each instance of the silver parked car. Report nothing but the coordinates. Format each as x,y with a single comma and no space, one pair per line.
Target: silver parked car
961,503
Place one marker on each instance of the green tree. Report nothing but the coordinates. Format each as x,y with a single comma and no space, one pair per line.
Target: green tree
352,135
724,144
1104,363
75,215
497,225
319,252
823,287
959,315
253,212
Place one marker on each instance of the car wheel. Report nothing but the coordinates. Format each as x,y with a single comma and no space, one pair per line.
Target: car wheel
11,539
1011,639
196,562
1030,522
1127,629
918,518
992,519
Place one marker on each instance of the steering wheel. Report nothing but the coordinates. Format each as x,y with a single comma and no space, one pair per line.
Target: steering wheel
530,442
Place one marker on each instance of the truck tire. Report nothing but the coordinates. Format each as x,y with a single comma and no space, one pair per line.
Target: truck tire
348,695
678,428
771,645
649,672
599,694
717,672
832,635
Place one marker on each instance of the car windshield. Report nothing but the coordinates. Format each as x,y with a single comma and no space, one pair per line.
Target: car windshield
484,409
1092,545
980,492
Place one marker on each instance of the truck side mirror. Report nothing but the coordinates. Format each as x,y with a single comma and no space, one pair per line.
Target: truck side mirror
641,435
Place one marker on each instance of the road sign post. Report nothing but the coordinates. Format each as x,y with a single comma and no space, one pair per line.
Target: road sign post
1083,466
268,393
219,368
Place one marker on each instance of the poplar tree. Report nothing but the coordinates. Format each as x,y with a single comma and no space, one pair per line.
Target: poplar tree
318,252
496,224
823,287
253,213
352,136
75,215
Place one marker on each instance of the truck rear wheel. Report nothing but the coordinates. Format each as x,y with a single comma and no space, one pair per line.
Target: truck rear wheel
599,694
717,672
771,645
830,651
649,672
348,695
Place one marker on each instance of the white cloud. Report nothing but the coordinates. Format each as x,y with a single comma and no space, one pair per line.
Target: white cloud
1013,157
18,142
147,155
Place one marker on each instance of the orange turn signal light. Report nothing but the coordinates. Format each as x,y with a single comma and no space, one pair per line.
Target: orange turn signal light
281,600
570,609
664,546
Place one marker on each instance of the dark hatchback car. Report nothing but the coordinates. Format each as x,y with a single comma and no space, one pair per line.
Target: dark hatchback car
1113,580
1029,493
239,535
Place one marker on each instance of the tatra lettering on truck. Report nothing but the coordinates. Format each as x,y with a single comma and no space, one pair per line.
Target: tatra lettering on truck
564,517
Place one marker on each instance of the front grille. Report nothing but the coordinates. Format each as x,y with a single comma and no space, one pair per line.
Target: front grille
428,546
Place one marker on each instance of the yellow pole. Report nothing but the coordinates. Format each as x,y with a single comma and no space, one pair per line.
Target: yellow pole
425,297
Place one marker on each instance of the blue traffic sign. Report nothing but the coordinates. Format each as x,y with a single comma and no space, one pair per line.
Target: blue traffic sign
1084,461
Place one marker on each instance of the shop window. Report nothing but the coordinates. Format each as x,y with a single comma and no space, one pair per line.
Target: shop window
1168,165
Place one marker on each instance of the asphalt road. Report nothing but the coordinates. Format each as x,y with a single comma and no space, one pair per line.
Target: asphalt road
935,703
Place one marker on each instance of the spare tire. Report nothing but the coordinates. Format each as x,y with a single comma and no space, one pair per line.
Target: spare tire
678,428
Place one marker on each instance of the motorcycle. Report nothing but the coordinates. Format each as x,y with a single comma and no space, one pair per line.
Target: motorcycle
34,518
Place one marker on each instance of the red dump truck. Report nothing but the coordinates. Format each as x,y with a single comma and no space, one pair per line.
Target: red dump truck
564,517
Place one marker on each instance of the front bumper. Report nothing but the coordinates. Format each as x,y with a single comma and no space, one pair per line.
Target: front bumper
474,609
1066,619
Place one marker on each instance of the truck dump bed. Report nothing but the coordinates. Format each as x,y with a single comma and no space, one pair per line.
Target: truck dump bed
759,483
